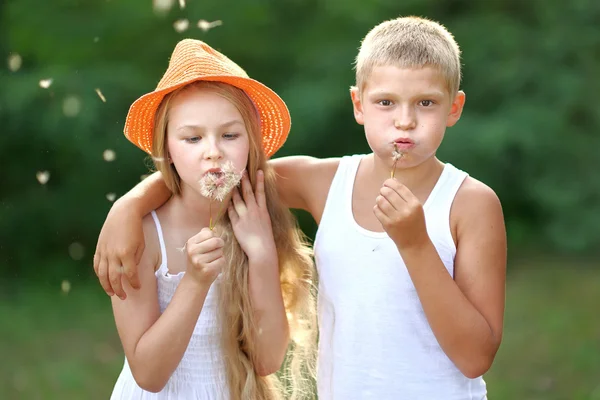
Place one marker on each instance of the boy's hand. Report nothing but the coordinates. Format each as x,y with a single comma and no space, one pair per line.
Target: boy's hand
119,249
250,218
401,215
205,255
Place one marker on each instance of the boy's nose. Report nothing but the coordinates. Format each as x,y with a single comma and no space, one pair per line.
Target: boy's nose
405,121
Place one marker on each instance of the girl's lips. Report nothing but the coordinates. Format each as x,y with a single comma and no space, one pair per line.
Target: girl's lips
216,171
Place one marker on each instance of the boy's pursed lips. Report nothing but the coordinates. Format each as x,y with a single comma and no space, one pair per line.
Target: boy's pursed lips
404,143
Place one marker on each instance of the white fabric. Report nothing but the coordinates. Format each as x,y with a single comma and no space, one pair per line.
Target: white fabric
200,375
375,341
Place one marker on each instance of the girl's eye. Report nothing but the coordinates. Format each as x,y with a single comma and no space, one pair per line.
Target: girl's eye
231,136
193,139
426,103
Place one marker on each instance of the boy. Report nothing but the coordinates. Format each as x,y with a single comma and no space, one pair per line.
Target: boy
412,266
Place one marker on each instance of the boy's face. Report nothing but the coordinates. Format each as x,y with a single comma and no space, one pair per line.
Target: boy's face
407,106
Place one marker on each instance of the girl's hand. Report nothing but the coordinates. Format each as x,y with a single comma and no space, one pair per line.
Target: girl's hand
401,215
250,218
205,256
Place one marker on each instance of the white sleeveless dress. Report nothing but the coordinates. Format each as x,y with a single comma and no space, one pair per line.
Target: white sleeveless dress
201,373
374,338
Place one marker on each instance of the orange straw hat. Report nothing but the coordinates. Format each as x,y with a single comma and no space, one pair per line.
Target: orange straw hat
193,60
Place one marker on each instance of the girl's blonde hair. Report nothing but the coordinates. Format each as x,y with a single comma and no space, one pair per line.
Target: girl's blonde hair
296,271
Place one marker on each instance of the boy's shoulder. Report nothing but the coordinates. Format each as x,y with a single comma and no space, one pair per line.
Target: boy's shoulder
303,182
476,203
474,191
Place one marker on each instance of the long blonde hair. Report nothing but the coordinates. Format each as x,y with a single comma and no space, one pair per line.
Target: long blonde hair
296,271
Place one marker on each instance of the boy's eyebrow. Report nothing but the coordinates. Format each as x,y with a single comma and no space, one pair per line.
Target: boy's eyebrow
383,93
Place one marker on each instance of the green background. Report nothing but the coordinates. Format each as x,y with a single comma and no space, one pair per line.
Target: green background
529,130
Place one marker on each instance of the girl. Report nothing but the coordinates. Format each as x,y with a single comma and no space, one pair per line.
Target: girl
225,282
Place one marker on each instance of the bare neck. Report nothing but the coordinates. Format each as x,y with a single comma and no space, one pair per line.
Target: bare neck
419,179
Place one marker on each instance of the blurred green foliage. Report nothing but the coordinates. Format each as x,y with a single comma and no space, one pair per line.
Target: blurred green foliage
529,130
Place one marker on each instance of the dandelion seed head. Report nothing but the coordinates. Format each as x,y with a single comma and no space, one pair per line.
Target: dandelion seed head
111,197
216,186
396,155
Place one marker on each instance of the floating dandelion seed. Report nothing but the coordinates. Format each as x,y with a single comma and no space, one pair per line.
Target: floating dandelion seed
162,7
100,95
216,185
42,177
182,4
71,106
142,177
96,39
206,26
45,83
76,251
14,62
109,155
65,286
111,197
181,25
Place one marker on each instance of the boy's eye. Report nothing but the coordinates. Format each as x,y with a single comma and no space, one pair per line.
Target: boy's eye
385,102
426,103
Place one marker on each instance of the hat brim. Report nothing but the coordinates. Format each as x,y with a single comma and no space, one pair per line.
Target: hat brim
274,115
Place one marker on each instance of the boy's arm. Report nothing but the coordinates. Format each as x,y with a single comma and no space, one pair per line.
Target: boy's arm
154,343
465,314
303,182
121,241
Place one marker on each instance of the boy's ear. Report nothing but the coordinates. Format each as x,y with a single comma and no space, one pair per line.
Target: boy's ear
456,108
357,105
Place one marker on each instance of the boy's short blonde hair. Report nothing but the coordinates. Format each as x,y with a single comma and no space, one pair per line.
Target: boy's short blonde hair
409,42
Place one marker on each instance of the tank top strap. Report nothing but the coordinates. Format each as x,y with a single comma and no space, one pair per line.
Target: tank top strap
163,250
445,190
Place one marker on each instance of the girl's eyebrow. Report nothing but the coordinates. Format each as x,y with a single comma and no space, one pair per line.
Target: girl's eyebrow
193,127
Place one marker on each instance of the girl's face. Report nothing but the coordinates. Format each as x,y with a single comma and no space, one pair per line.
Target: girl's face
204,132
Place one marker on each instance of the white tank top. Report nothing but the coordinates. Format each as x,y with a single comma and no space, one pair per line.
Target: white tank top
200,374
375,341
